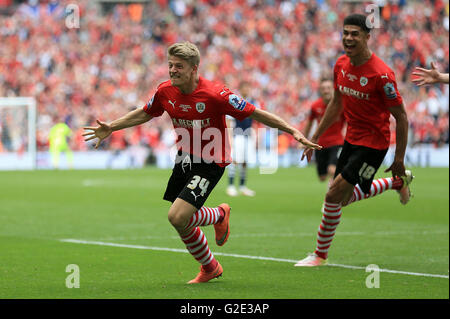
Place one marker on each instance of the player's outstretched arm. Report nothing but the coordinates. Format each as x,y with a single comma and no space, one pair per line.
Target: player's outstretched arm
275,121
425,76
334,109
104,130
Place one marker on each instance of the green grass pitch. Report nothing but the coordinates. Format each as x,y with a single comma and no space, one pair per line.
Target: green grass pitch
39,208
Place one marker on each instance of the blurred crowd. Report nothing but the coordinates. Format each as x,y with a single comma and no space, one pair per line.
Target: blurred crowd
114,58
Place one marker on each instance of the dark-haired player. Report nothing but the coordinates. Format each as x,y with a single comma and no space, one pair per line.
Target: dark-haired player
365,88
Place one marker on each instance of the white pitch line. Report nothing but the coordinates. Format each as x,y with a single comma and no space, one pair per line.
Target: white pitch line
234,236
100,243
310,234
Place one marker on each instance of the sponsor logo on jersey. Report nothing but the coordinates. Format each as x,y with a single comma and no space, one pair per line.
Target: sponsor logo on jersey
191,123
343,73
237,102
351,92
363,81
385,76
192,192
185,107
172,103
200,107
389,90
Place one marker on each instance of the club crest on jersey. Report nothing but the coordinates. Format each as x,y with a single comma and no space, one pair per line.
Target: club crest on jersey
237,102
363,81
389,90
200,107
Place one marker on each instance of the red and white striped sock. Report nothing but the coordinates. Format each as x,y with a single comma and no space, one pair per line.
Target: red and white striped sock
197,245
205,216
378,187
330,220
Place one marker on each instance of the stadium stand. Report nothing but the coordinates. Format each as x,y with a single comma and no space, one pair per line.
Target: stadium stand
117,57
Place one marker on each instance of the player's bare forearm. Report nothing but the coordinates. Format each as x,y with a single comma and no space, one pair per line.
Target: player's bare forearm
104,130
443,78
133,118
332,112
401,137
272,120
275,121
398,166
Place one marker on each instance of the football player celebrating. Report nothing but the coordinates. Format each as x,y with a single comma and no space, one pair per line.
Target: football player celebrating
366,90
197,108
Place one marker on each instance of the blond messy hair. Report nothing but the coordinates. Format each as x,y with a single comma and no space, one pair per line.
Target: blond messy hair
186,51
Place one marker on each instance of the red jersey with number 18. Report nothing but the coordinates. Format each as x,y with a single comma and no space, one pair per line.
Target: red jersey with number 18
199,117
367,91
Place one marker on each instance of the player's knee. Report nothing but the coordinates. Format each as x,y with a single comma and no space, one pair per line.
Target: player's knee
176,219
332,198
334,195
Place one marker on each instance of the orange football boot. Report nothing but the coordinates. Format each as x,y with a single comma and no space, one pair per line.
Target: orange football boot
204,276
222,229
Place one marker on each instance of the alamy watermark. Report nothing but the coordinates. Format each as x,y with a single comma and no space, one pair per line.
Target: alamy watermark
373,280
73,280
72,16
373,17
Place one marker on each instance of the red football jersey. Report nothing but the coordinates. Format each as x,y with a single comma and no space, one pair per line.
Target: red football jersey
333,135
368,91
199,117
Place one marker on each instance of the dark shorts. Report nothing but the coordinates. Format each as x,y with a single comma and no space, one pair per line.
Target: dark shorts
359,164
192,180
325,157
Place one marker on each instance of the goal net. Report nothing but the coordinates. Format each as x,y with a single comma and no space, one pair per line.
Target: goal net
17,133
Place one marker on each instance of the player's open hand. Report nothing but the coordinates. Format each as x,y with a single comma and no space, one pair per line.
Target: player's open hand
308,154
307,143
397,168
101,132
425,76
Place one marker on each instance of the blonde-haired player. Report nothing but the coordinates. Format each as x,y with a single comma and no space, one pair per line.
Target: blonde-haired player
197,108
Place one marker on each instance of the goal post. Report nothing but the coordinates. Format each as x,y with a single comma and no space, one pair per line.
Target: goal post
18,127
